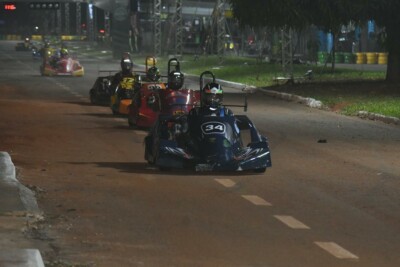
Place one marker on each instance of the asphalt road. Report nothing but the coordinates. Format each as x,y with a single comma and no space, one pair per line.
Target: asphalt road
330,199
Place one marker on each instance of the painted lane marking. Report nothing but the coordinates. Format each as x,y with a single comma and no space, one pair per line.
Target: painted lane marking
120,119
141,133
256,200
291,222
336,250
226,182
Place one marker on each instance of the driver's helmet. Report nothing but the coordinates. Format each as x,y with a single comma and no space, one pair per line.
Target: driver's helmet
126,65
212,95
175,80
64,53
153,74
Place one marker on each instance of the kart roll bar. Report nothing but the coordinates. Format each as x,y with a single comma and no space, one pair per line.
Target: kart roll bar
148,60
177,65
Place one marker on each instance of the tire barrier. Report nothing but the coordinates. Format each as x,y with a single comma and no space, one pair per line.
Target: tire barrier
372,58
382,58
361,58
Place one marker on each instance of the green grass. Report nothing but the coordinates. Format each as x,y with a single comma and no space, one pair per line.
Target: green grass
350,97
248,71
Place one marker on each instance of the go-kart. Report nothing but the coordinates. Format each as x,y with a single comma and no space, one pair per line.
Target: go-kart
156,98
63,67
100,92
24,46
207,142
37,52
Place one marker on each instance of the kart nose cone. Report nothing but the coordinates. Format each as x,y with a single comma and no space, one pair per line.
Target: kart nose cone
223,156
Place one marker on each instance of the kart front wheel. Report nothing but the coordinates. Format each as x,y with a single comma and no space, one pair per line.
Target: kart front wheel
260,170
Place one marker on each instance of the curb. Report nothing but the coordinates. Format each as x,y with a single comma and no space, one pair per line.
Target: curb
378,117
12,189
8,176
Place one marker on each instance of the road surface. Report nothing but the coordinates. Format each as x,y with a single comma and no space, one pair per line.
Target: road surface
330,199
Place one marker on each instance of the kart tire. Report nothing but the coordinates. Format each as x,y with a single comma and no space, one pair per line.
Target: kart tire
131,124
260,170
164,169
93,99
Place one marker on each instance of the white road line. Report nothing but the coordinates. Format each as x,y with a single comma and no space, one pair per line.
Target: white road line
120,119
336,250
76,94
256,200
226,182
140,132
291,222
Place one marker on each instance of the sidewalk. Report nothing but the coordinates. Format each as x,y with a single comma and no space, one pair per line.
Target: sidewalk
17,204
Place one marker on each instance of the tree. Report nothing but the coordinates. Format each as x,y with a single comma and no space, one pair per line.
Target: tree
386,13
328,15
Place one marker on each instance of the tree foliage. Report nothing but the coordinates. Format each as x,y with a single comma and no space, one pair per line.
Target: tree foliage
328,15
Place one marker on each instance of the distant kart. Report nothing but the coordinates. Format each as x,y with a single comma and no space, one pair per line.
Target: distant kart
154,98
36,52
207,143
24,46
100,92
64,67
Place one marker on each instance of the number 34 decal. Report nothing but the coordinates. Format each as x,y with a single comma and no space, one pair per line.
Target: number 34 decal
213,127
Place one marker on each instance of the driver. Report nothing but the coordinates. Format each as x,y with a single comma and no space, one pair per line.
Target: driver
212,97
125,78
175,80
64,53
153,74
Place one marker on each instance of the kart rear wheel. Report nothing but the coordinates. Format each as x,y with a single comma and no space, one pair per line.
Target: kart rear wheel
131,124
93,97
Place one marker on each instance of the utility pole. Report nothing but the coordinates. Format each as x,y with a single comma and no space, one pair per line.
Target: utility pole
78,19
287,52
157,27
58,19
179,29
90,26
66,19
219,12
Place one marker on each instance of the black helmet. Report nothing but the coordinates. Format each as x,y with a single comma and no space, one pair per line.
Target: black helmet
175,80
212,95
126,65
153,74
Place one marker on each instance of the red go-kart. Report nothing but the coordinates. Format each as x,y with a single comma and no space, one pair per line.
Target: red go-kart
156,98
67,66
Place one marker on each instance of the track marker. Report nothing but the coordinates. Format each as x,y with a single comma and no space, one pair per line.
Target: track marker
336,250
291,222
256,200
226,182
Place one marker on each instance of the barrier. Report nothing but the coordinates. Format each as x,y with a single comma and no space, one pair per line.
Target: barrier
339,57
372,58
324,57
348,58
361,58
382,58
